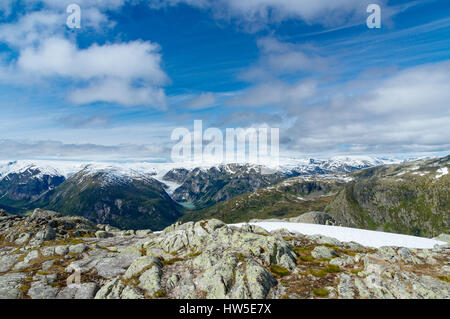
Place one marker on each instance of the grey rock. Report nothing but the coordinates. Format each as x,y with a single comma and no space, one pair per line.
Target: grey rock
61,250
318,218
78,291
47,265
260,281
10,284
345,287
140,265
23,238
112,267
443,237
323,252
7,261
150,280
103,234
143,233
30,256
40,290
77,249
319,239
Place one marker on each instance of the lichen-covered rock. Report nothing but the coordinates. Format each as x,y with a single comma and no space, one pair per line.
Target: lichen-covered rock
318,218
150,280
323,252
78,291
10,285
208,259
41,290
140,265
77,249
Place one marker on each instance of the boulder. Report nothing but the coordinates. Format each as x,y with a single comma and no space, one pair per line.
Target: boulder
319,218
323,252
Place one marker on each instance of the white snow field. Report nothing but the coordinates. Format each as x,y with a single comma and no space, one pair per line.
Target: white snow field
366,238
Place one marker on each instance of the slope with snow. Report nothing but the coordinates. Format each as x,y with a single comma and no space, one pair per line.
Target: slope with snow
366,238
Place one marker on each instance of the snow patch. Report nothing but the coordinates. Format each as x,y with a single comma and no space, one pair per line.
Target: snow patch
442,172
366,238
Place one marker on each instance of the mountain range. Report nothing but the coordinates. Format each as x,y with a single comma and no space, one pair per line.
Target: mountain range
155,195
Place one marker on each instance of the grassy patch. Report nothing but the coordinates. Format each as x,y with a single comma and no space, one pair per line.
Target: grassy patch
279,271
329,269
444,278
195,254
305,258
171,261
356,271
159,294
321,292
333,269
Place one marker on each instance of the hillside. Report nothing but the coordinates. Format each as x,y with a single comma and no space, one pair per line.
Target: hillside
21,186
205,187
108,197
411,198
289,198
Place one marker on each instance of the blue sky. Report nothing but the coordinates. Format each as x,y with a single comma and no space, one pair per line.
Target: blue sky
117,87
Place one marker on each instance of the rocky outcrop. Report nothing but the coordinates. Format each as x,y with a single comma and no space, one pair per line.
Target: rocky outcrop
318,218
206,259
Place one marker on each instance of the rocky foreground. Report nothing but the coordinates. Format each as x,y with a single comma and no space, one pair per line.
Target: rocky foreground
50,256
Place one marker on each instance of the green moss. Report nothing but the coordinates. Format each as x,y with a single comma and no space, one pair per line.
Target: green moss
279,271
356,271
321,292
305,258
159,294
195,254
171,261
333,268
329,269
444,278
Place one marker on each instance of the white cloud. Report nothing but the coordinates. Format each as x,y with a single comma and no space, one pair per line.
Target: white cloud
406,112
62,4
281,58
121,92
60,57
45,149
202,101
275,94
31,28
124,73
257,13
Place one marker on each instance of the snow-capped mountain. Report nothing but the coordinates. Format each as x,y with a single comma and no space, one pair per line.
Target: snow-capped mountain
339,164
334,165
26,181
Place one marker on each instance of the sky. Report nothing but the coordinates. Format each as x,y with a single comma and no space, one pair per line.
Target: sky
117,87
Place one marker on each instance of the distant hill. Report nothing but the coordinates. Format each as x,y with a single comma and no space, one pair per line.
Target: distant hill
410,198
107,197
